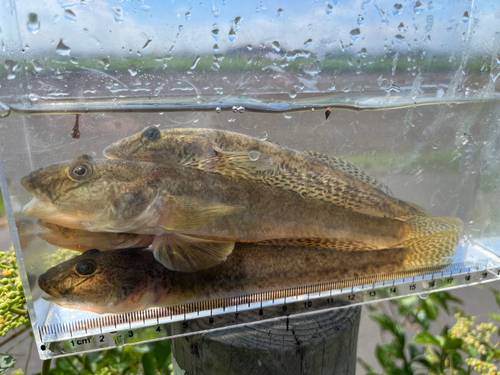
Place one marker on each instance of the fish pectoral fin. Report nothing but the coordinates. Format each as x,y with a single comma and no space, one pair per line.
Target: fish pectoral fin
187,213
351,169
430,251
183,253
251,165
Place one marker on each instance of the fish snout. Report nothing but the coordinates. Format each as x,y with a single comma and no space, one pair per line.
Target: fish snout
28,184
115,151
46,284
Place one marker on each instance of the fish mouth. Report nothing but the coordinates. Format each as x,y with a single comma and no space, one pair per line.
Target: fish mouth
40,209
114,152
52,218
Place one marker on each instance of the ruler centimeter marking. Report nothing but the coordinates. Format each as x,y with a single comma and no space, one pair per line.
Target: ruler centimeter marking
57,340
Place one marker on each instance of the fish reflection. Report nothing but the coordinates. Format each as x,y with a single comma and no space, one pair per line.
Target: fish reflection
82,240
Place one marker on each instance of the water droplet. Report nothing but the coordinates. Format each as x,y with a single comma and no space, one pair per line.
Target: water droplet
276,46
187,15
399,38
132,69
249,47
235,109
329,8
355,34
237,23
307,43
232,35
33,23
263,136
279,12
361,19
466,17
254,155
73,60
218,110
312,109
292,94
181,28
418,8
33,98
195,62
37,66
118,14
398,9
423,295
4,110
401,27
69,15
62,49
216,48
216,12
215,32
241,109
288,117
56,19
363,52
145,8
313,68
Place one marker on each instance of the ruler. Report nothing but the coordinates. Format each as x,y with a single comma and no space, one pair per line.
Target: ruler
111,331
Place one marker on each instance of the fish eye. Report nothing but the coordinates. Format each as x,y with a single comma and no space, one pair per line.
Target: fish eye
85,268
80,171
151,134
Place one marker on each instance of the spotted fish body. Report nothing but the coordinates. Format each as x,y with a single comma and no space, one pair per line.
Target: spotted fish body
310,174
197,217
125,280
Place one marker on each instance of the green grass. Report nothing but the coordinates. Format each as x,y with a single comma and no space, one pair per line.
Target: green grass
2,206
431,161
239,61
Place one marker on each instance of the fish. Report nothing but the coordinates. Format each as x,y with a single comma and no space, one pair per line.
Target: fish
197,217
82,240
126,280
237,155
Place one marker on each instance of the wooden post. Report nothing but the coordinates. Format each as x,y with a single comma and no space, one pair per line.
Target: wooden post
321,343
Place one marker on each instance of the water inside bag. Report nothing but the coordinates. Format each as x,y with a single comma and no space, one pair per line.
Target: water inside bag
417,116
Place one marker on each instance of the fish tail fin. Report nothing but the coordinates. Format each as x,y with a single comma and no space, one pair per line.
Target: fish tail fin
424,226
431,241
430,252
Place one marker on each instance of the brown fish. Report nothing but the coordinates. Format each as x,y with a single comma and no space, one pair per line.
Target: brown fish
310,174
81,240
119,281
198,216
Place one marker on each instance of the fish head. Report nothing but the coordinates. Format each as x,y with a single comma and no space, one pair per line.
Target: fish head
90,194
174,146
101,282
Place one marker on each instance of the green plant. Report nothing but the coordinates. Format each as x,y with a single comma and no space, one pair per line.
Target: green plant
463,349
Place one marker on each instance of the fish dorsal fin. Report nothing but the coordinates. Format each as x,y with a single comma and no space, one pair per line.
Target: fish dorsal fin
328,189
183,253
350,169
251,165
185,213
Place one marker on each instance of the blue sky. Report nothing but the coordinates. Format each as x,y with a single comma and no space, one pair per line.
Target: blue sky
97,28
